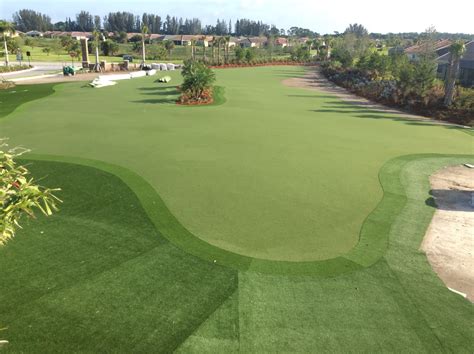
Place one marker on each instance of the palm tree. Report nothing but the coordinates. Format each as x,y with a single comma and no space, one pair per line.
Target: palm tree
213,44
219,41
204,49
145,31
227,47
457,50
169,45
97,36
6,27
193,48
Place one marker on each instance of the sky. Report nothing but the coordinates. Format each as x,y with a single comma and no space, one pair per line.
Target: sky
320,16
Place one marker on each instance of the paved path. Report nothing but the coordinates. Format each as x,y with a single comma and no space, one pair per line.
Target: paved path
315,80
39,69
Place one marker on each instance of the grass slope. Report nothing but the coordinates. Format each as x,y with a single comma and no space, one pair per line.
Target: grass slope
275,173
99,276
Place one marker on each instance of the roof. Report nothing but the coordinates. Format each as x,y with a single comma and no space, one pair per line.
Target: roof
260,40
415,49
467,59
281,41
133,34
189,38
172,37
156,36
81,34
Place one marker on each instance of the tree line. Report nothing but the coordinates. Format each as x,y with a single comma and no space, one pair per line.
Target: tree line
27,20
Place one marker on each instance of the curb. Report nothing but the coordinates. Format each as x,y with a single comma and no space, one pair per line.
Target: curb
34,77
18,72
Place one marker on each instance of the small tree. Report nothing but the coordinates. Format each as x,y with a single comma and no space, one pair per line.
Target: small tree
198,78
109,47
19,193
457,50
239,54
28,42
47,50
249,55
6,27
169,45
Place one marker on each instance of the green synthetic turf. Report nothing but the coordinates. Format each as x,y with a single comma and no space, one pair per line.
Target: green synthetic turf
13,97
274,173
99,277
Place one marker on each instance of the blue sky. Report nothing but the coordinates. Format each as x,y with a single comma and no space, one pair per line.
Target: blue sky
321,16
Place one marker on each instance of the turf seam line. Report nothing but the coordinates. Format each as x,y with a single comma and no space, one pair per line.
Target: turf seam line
413,307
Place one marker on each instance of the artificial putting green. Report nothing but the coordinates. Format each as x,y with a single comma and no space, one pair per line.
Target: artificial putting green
98,276
274,174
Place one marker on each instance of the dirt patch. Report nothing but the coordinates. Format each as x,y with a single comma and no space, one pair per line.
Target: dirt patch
449,241
314,80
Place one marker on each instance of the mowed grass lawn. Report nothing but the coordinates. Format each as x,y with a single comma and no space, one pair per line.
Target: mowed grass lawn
273,174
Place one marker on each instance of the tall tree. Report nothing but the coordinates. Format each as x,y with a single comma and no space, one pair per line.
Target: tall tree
456,50
28,20
144,31
97,37
84,21
169,46
97,22
357,29
6,27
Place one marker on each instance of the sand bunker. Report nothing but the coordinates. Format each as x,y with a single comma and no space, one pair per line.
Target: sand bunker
449,241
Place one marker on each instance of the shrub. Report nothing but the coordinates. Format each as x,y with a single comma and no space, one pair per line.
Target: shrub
464,99
198,81
109,47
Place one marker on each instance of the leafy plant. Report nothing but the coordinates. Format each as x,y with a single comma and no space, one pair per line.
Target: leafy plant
198,78
19,193
109,47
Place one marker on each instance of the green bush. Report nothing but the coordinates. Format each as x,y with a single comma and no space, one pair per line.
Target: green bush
198,79
464,99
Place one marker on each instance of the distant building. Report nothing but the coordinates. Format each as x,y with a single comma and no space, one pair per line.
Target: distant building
34,34
466,66
281,42
441,47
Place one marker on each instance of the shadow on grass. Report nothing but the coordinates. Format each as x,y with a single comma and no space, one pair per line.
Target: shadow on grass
451,200
363,110
163,95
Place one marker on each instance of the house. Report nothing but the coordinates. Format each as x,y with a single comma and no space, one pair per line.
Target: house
133,34
55,34
187,39
34,34
204,40
466,66
281,42
233,42
441,47
14,34
156,37
253,42
81,35
176,39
